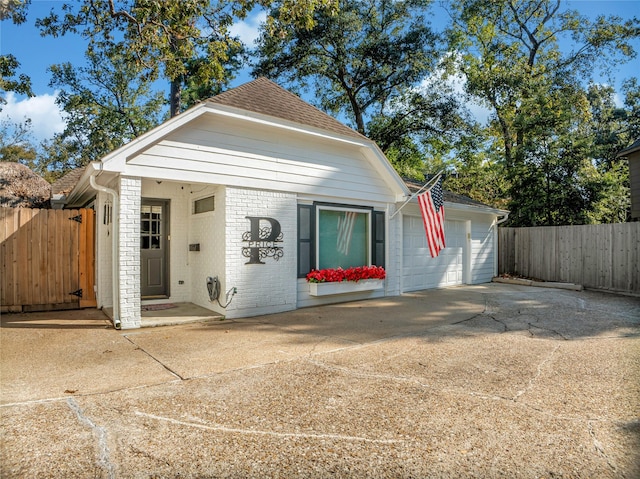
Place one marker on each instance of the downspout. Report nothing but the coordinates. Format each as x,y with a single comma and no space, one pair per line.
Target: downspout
495,242
114,248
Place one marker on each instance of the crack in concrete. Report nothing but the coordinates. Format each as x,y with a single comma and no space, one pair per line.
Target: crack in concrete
558,333
260,432
407,379
499,321
104,460
600,448
537,375
175,373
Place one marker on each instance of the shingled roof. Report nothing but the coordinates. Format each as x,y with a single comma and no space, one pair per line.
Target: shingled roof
66,183
449,196
265,97
630,149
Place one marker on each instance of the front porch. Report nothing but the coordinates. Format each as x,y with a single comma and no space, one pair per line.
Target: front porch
170,314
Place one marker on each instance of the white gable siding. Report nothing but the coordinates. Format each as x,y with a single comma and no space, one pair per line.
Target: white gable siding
263,157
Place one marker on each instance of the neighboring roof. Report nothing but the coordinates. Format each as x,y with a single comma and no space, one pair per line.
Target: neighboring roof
22,188
449,196
265,97
63,185
631,149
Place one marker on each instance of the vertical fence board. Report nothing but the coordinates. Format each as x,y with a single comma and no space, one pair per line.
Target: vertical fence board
65,251
59,259
5,264
12,245
50,272
25,250
43,246
73,251
596,256
87,259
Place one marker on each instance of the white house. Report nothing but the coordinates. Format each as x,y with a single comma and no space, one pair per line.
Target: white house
246,193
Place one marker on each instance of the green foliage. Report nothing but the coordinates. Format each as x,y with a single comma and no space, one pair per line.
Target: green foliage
16,10
510,57
16,143
105,104
352,59
476,171
8,80
184,41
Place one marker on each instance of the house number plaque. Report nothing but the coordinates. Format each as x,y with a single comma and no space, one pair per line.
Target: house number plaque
262,240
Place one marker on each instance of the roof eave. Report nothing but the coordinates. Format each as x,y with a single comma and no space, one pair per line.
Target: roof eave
476,208
630,149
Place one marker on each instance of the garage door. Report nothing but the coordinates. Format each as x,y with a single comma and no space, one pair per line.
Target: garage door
419,269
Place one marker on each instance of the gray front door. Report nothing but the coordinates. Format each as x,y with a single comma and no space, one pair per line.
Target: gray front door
154,248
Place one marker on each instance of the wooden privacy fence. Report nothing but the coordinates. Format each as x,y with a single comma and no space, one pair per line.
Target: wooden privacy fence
595,256
47,259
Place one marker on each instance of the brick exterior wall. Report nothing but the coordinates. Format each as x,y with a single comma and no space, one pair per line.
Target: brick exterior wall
129,259
207,230
262,288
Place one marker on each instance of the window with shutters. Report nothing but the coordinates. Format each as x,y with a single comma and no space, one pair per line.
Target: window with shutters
339,236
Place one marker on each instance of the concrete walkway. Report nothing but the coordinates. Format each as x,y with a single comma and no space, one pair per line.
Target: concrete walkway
483,381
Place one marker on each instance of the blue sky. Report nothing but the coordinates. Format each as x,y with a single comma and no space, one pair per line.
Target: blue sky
36,54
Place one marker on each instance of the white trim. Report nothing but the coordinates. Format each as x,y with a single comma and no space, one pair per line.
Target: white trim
345,287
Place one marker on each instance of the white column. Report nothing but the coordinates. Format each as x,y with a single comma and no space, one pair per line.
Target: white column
129,251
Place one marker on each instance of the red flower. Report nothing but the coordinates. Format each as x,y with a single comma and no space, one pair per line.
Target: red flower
355,273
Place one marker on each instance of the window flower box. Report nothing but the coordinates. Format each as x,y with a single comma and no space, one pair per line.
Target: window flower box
340,281
343,287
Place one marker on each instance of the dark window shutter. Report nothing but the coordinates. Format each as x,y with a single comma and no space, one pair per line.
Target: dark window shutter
306,235
377,256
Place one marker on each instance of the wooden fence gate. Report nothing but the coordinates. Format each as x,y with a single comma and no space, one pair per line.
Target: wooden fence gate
47,259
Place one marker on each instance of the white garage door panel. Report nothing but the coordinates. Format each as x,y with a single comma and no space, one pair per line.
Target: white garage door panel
420,270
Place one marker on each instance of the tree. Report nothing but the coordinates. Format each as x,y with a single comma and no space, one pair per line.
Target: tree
16,143
16,10
611,129
106,105
417,127
165,38
356,61
510,57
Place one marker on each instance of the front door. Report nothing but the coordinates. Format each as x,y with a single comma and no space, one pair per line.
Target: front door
154,248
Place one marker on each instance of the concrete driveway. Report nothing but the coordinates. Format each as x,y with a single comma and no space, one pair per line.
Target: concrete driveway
483,381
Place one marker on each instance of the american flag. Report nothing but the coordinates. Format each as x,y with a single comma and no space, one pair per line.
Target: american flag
432,208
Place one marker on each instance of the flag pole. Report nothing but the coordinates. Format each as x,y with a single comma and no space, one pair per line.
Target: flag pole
432,180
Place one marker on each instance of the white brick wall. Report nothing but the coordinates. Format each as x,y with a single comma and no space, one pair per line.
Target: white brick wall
208,230
262,288
129,259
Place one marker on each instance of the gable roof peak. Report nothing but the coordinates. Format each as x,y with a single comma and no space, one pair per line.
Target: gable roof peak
265,97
